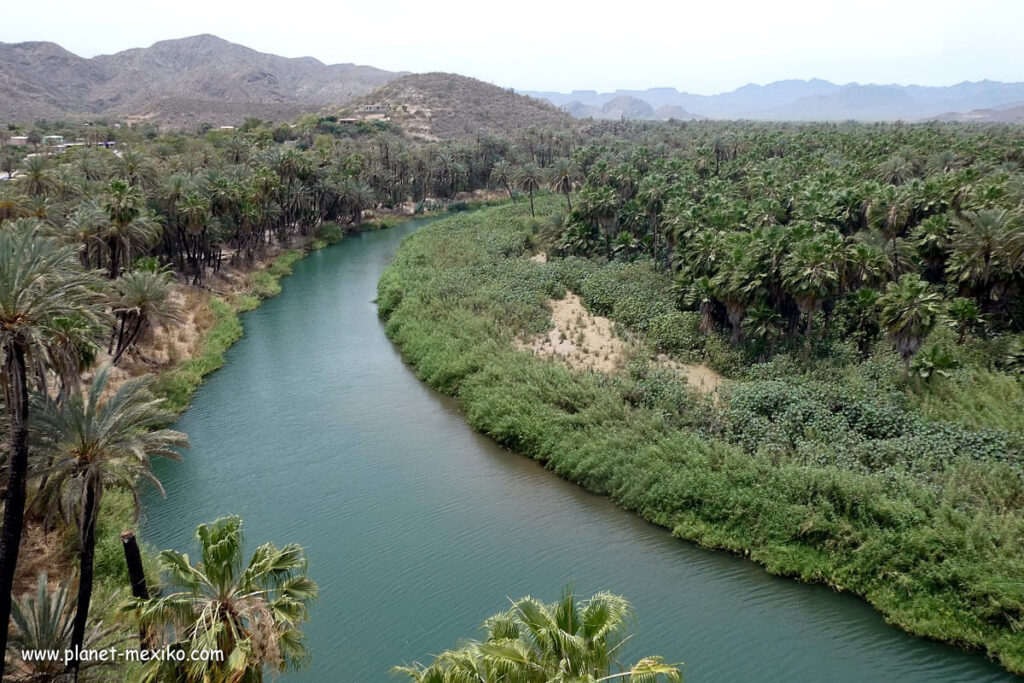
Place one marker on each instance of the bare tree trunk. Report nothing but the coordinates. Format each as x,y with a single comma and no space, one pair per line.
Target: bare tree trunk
85,562
136,575
16,390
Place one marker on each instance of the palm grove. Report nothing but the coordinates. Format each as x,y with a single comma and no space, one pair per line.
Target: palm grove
858,287
788,237
94,244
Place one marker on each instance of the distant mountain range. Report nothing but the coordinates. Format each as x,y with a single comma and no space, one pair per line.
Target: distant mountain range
207,79
180,82
798,100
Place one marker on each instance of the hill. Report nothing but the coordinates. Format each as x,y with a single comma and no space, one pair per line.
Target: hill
799,100
435,106
1008,114
175,82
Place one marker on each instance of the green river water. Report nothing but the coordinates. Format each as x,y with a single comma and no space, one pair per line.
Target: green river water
417,528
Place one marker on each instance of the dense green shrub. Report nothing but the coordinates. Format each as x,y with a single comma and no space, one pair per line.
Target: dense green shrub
842,473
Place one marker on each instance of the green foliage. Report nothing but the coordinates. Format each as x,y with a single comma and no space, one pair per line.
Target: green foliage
834,472
251,611
536,642
933,361
179,383
327,233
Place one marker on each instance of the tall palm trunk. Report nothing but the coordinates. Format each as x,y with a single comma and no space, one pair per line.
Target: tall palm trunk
137,577
16,390
531,205
115,257
85,562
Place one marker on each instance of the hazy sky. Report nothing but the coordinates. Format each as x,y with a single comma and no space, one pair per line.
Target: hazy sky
707,46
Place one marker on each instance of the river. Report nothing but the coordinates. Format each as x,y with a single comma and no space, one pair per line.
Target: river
417,528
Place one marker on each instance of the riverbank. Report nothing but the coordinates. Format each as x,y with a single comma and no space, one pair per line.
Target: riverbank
852,487
219,306
179,359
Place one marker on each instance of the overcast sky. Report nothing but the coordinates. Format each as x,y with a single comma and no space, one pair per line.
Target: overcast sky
704,47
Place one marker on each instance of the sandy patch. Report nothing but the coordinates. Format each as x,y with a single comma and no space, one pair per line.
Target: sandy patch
699,377
579,339
539,257
584,341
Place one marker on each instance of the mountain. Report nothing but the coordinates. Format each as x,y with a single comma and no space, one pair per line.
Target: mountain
1007,114
177,82
436,106
799,100
626,107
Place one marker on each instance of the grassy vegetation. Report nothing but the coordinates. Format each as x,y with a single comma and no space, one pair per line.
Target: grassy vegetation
839,472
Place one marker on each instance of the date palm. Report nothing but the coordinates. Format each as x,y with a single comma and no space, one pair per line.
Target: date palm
502,173
562,179
537,642
141,300
135,168
252,612
41,285
37,176
98,443
529,179
44,620
895,171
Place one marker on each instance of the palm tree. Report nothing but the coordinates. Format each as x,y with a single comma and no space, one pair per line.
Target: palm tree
653,193
987,249
37,176
908,311
41,285
862,311
701,293
535,642
895,171
964,316
562,179
738,279
98,443
502,172
131,226
44,621
358,196
598,205
133,167
251,613
142,299
194,210
811,276
889,212
529,179
932,242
